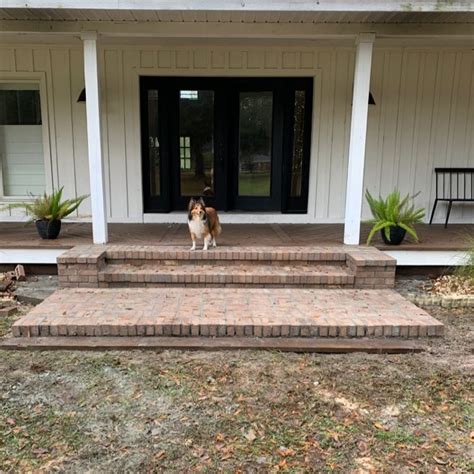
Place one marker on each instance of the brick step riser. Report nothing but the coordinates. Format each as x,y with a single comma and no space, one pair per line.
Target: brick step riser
235,253
213,330
221,262
223,279
224,285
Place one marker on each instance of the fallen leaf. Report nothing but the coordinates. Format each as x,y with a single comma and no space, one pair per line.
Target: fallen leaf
250,436
39,451
159,455
363,448
286,452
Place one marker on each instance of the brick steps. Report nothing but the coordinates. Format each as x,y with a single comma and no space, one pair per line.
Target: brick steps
135,266
223,312
240,273
274,304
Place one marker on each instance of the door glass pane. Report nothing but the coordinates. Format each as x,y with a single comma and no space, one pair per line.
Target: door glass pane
196,142
298,144
22,170
255,143
153,143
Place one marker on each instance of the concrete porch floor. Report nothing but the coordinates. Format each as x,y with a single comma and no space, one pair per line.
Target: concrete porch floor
435,237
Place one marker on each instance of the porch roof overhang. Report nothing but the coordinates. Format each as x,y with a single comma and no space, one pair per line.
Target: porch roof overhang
252,19
240,30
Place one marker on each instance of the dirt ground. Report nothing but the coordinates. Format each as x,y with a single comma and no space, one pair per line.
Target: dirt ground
249,411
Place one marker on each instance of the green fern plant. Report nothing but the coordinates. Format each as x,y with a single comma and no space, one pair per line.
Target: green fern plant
49,207
393,211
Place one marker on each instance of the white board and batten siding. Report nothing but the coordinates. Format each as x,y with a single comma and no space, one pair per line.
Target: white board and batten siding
423,117
58,71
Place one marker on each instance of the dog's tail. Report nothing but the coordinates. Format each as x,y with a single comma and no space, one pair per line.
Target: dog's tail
218,228
215,225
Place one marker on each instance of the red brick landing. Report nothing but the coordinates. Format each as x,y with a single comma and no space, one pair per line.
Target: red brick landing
261,312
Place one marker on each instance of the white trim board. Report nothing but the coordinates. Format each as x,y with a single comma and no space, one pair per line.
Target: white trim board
30,256
238,218
429,258
248,5
404,257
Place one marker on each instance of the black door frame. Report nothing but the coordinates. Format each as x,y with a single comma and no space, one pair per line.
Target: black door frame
226,142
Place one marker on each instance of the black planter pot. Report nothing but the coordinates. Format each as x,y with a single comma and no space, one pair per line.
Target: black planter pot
397,234
48,229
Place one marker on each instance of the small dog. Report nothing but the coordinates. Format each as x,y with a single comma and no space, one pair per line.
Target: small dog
203,222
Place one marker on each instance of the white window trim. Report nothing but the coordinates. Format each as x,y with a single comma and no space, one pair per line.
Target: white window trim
39,79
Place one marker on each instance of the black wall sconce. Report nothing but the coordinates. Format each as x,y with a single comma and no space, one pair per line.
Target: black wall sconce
82,96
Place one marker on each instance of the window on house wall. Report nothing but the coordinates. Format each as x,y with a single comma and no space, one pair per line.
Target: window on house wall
185,152
21,141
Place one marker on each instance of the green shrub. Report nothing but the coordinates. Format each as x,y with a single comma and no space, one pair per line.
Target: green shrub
467,270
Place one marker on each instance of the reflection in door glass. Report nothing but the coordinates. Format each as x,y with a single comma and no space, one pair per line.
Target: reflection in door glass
255,143
153,143
196,142
298,144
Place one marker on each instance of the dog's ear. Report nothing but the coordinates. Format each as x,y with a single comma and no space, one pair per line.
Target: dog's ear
191,204
201,201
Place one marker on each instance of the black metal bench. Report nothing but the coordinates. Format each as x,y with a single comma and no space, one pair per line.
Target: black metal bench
453,185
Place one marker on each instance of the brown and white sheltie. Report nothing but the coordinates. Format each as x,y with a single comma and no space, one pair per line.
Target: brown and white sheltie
203,222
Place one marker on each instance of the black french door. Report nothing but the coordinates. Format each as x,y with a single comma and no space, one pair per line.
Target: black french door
242,144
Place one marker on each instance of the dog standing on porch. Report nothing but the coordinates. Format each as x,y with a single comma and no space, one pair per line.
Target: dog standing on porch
203,223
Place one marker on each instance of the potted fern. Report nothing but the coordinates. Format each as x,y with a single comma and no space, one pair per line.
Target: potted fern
48,210
393,217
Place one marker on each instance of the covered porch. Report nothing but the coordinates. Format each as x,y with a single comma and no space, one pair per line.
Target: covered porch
437,246
388,97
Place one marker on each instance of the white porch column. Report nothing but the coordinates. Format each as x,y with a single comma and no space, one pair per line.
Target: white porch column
94,139
355,172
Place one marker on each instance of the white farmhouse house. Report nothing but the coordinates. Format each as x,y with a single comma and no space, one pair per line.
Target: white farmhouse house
275,111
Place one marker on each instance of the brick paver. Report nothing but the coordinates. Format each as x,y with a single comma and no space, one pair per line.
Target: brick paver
219,312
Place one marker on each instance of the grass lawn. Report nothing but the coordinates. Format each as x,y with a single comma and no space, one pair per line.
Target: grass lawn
257,184
241,411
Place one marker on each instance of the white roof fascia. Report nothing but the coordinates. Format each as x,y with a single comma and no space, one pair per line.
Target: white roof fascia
251,5
235,30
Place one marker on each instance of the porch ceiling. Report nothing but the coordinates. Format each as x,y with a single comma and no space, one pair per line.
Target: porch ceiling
230,16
